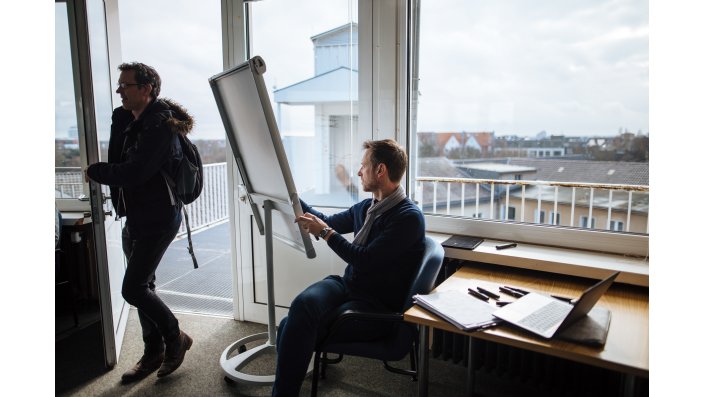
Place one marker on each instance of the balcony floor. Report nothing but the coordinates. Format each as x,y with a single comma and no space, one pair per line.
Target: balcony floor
206,290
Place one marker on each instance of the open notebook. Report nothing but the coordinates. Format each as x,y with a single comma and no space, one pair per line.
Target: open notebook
459,309
545,315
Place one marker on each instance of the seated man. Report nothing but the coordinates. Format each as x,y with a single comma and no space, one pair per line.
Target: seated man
382,261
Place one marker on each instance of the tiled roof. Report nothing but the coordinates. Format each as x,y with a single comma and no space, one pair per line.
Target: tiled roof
443,168
614,172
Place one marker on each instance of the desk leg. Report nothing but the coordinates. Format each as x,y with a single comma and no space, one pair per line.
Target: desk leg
470,379
628,385
423,361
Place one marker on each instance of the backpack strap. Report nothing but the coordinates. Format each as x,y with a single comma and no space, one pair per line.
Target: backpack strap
169,183
190,243
173,199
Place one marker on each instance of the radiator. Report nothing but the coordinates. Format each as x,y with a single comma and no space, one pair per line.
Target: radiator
501,370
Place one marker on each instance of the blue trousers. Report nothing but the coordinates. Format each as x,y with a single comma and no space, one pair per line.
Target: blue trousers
310,315
138,286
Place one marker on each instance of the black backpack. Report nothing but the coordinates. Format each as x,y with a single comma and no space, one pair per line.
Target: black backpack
189,174
187,184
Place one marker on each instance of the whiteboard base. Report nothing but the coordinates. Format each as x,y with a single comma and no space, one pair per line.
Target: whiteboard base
232,365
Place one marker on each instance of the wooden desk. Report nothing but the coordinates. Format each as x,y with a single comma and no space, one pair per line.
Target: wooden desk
571,262
626,349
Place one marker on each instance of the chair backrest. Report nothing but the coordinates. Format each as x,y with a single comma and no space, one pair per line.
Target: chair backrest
428,271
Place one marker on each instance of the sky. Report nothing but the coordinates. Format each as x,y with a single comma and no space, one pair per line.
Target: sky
513,67
521,67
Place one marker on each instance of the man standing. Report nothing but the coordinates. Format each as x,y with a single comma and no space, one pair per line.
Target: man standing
144,145
382,260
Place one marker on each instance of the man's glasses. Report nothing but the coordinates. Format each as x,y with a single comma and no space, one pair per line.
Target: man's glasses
125,85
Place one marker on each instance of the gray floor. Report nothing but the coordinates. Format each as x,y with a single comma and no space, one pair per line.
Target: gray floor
191,293
201,375
206,290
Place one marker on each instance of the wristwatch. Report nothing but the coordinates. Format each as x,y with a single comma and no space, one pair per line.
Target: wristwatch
324,232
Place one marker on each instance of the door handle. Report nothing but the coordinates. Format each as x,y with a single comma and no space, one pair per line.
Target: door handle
243,192
83,197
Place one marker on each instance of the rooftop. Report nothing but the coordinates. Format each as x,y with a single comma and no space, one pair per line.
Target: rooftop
612,172
498,167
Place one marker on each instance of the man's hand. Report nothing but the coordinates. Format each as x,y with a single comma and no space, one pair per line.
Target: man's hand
311,223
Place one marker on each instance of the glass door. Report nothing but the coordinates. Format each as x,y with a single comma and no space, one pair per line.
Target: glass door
83,112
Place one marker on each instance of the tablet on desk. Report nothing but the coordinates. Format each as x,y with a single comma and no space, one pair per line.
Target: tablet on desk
462,242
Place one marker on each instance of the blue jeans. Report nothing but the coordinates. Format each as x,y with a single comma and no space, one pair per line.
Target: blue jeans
310,315
138,288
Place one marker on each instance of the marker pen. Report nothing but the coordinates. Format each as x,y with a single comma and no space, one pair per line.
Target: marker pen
477,295
488,293
505,246
511,292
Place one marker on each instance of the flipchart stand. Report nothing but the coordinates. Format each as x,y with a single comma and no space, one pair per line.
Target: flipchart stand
233,364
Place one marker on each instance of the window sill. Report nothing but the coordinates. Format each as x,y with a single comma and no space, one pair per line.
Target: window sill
573,262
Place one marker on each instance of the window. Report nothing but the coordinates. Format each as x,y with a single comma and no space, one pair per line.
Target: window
67,157
312,78
584,222
494,95
71,135
541,218
511,214
555,218
617,226
185,58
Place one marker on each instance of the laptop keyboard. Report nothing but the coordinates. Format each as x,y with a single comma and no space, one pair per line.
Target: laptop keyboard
545,317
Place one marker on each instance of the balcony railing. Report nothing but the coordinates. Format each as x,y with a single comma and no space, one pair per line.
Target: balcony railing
589,205
209,209
596,203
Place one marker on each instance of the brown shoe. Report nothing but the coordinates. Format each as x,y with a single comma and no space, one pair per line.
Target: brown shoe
175,353
146,365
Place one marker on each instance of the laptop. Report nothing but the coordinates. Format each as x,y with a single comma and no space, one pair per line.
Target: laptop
545,315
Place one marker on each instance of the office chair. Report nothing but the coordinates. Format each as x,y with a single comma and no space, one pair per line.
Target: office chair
393,347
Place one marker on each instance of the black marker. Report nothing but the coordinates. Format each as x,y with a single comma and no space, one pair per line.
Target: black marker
502,303
488,293
521,291
477,295
511,292
505,246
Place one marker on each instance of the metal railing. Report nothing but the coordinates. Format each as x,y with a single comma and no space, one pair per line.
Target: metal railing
489,195
209,209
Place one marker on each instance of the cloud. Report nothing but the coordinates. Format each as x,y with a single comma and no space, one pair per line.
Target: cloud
513,67
556,64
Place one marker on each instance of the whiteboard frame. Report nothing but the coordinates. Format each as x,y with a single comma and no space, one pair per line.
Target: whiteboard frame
293,234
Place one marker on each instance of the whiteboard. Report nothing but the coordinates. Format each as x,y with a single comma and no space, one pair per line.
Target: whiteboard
243,102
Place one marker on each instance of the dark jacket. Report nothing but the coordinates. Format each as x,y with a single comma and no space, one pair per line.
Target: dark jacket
137,151
384,267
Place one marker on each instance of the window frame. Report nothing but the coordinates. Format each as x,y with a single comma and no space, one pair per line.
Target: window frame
544,234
